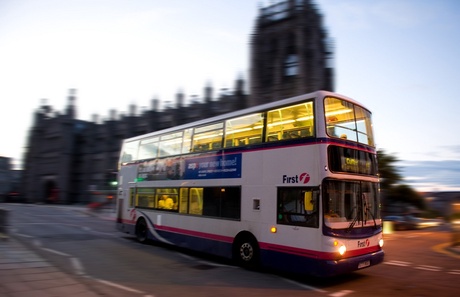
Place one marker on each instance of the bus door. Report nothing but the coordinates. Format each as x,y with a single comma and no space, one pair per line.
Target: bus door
128,195
132,200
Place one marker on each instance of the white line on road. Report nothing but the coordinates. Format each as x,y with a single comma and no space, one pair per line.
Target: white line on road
36,242
56,252
230,266
397,263
77,266
43,223
206,262
418,234
111,234
128,289
428,268
187,257
24,235
341,293
304,286
454,272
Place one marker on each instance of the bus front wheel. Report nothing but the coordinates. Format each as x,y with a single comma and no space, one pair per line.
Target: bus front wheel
141,230
246,251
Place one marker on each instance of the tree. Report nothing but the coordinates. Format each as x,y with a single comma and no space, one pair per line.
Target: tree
407,195
391,183
389,175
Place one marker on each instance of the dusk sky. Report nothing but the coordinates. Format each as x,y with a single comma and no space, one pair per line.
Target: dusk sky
397,57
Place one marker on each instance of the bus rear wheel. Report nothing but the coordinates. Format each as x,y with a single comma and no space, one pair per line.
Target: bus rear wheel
246,252
141,230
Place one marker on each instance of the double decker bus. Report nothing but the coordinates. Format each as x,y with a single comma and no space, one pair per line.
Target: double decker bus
291,185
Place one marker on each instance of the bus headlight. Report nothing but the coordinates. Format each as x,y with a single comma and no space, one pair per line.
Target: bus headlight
381,242
340,247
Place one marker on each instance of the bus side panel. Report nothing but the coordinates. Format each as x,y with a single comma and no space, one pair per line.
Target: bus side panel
169,228
200,244
293,166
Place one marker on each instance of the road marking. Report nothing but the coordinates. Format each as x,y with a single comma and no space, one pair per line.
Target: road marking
112,234
304,286
77,266
128,289
428,268
187,257
24,235
56,252
341,293
48,223
37,243
397,263
231,266
75,262
51,215
454,272
206,262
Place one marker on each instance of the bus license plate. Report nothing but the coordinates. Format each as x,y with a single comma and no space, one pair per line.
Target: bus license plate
364,264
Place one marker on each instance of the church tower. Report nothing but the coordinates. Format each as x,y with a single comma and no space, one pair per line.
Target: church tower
290,52
70,110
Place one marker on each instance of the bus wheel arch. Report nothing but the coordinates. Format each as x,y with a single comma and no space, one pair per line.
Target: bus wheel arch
246,251
141,230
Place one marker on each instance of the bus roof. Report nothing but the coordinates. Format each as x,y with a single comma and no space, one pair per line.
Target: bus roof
253,109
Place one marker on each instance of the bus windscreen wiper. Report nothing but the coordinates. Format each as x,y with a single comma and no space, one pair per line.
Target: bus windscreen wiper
368,210
355,219
359,212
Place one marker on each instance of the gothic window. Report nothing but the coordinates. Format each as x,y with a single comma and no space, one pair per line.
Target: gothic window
291,65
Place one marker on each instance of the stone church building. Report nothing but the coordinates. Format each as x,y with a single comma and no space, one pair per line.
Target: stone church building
69,160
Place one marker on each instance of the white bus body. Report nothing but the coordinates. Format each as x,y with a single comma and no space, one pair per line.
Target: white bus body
306,205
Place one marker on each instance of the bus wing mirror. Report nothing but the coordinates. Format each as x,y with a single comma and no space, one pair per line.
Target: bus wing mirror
307,201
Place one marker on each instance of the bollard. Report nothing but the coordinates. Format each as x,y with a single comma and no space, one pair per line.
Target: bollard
455,232
4,213
388,227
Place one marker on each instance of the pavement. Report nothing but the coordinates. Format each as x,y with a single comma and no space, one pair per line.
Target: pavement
24,273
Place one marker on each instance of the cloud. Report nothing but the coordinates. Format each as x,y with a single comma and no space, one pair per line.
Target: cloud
432,175
414,178
429,152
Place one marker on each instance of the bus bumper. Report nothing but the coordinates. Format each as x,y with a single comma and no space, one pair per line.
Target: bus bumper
319,267
343,266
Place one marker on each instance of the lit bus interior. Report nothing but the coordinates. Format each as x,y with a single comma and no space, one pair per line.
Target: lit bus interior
343,119
348,121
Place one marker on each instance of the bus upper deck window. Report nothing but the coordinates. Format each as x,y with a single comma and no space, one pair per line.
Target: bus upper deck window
290,122
348,121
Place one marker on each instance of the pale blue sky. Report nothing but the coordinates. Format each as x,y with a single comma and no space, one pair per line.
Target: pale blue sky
398,57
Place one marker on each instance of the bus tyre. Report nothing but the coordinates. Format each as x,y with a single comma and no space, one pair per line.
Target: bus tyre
246,252
141,230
